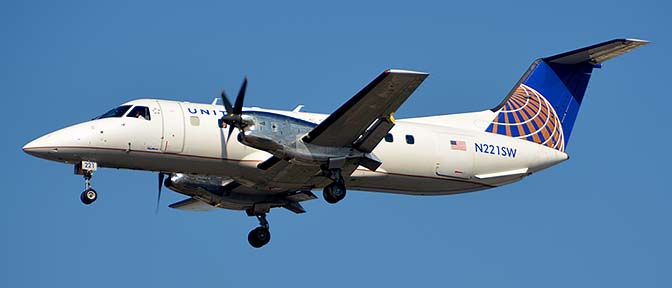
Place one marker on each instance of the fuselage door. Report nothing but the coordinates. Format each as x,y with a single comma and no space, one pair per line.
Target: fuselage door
455,156
173,127
140,129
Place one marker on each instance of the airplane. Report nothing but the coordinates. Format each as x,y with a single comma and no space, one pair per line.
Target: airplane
253,159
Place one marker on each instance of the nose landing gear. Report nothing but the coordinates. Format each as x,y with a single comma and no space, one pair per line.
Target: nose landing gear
89,195
86,168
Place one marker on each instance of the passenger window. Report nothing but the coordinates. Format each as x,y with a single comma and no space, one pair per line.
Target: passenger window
194,120
410,139
389,138
141,112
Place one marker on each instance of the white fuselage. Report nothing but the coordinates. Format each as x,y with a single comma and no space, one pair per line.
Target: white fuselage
184,137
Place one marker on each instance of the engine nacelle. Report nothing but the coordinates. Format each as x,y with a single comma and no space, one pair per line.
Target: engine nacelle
216,191
207,189
282,136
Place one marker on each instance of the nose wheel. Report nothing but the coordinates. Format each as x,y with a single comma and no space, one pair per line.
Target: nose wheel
86,168
260,236
88,196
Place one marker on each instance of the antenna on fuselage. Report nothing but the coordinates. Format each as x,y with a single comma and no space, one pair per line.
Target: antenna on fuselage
298,108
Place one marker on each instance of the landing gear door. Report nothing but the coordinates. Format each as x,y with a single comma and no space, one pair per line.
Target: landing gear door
173,127
455,156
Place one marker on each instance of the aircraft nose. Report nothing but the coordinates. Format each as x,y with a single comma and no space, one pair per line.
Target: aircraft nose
40,147
48,146
31,145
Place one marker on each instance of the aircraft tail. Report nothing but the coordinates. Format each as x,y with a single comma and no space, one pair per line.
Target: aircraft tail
543,105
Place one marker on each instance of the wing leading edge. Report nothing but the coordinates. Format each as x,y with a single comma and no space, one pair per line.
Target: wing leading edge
367,117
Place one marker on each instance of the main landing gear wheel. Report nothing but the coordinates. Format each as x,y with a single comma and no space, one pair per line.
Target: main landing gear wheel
260,236
88,196
334,192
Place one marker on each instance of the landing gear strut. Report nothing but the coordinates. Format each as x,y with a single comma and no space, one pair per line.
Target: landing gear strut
335,191
260,236
86,168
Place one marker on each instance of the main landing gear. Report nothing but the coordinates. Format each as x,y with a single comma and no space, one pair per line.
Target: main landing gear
260,236
335,191
86,168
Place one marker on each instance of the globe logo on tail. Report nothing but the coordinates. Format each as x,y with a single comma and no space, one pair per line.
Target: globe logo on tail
528,115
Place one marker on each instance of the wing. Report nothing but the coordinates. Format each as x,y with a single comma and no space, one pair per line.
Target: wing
211,192
367,117
301,176
359,123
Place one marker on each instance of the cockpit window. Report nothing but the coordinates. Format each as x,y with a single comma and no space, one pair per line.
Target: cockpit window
115,112
141,112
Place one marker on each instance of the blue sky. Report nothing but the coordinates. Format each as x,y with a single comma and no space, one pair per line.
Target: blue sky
599,219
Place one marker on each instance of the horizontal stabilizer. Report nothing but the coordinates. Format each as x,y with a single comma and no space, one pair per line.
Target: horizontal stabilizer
192,204
597,53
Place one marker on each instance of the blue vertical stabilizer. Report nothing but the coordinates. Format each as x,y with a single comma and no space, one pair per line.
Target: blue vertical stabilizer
545,102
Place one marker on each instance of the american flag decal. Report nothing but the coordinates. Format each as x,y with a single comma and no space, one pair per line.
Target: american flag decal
458,145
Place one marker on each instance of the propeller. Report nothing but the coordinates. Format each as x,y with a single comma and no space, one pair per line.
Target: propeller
233,116
158,198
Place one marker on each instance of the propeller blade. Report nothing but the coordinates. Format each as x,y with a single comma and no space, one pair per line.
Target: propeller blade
158,199
238,107
230,131
227,103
